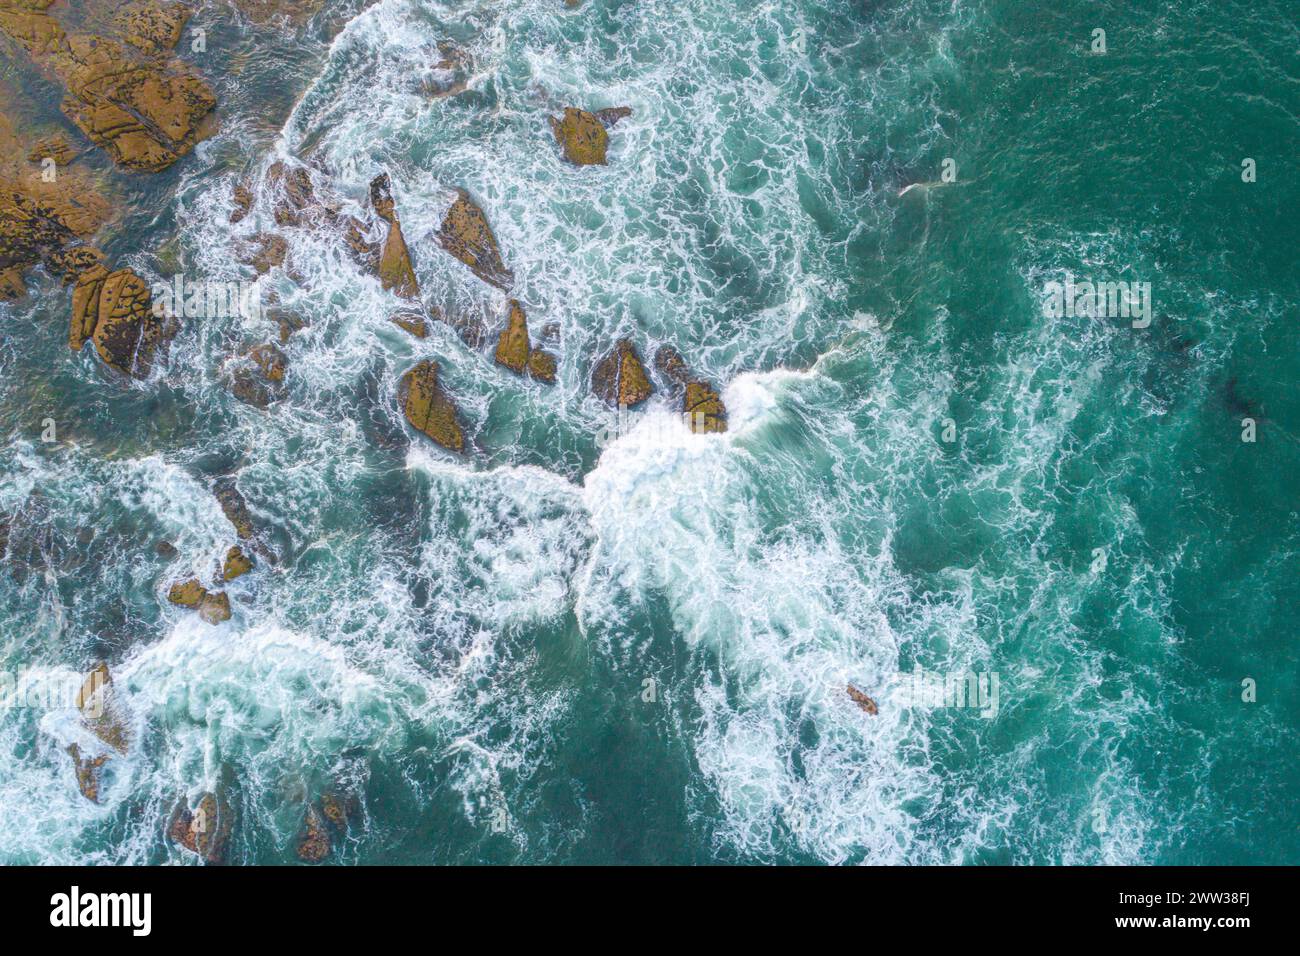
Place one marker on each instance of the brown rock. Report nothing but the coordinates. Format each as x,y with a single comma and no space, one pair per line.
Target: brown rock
670,362
465,234
296,192
271,252
54,147
704,408
236,563
620,379
862,700
412,322
127,332
314,840
235,507
215,607
512,344
205,830
152,26
243,200
541,365
87,771
101,710
610,117
582,137
395,271
187,593
428,408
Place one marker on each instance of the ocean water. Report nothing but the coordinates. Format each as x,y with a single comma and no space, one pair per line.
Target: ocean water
582,643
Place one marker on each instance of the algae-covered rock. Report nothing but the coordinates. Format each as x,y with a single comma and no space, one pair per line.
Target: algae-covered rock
88,771
103,715
512,344
395,270
582,136
704,409
152,26
620,379
670,362
187,593
270,252
55,147
542,365
428,408
236,563
465,234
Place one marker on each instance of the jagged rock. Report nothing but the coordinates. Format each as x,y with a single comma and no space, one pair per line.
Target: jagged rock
297,193
144,112
101,714
114,310
314,840
288,324
704,409
215,607
395,271
551,332
862,700
54,147
364,252
187,593
11,284
542,365
235,507
582,135
412,322
271,252
165,549
88,772
455,65
610,116
334,809
465,234
242,197
101,711
236,563
206,830
151,26
428,408
701,403
516,353
670,362
512,344
620,379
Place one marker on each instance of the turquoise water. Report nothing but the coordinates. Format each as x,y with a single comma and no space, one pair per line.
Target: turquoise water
452,637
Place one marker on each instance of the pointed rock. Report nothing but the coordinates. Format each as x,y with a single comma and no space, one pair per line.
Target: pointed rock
428,408
512,344
465,234
620,379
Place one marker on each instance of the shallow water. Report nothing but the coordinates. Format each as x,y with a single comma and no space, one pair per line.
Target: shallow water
637,646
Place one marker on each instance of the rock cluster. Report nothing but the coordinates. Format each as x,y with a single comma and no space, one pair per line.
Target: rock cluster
101,714
213,606
701,404
516,352
144,111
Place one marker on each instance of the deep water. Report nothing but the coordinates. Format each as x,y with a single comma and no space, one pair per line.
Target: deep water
566,647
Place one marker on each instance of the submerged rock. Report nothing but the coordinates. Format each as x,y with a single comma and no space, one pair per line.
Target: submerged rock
314,840
619,379
412,322
270,253
242,198
206,829
428,408
101,714
465,234
215,607
235,507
